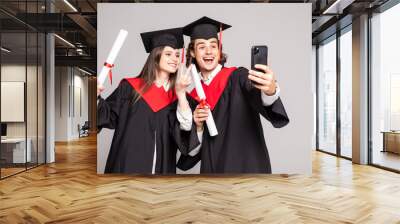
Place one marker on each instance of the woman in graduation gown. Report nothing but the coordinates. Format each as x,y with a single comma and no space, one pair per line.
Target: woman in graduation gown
236,98
143,110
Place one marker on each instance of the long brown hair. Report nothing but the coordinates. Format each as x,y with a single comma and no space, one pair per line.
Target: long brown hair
149,72
190,59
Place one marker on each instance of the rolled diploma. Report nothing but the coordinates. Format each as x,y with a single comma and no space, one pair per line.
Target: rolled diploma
111,57
212,128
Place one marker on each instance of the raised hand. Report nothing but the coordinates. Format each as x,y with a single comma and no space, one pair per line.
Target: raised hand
265,81
100,89
183,80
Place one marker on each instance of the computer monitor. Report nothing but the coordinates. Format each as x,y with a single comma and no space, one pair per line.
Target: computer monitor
3,129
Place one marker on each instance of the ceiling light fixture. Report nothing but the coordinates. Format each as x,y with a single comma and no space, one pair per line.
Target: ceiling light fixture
70,5
337,7
84,71
65,41
5,50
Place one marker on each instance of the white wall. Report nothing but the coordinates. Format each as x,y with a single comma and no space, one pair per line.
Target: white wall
80,84
61,103
285,28
68,80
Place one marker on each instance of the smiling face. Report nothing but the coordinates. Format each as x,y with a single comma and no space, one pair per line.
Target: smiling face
206,53
169,60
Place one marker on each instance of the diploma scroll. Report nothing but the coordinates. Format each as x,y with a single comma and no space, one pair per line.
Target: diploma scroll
212,128
111,57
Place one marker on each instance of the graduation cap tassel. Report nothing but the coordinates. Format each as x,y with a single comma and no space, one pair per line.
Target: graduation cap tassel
220,40
183,55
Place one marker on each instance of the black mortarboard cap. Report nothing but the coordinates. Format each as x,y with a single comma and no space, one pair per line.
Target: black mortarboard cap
204,28
169,37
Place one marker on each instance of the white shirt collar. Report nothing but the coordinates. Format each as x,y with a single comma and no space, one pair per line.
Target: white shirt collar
166,85
212,75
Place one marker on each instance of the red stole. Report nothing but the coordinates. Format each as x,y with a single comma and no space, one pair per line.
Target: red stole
214,90
156,97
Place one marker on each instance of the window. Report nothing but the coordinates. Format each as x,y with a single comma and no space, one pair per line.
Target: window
23,77
385,88
327,96
346,93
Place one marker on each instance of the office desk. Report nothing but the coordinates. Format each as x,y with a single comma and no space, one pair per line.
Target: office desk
391,141
13,150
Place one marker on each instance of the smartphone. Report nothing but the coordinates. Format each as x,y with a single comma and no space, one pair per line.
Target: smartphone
259,55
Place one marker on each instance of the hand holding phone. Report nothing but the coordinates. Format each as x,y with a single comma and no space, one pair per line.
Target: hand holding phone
259,55
263,78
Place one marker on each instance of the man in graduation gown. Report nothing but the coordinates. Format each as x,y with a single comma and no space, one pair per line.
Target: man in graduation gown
145,122
236,98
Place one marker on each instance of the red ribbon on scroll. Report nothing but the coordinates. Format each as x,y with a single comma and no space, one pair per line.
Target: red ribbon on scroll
110,72
202,102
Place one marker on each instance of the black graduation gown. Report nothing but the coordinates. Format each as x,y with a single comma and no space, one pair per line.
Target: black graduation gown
240,145
139,126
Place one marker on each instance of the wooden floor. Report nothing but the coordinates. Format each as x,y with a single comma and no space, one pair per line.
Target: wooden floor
10,171
70,191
